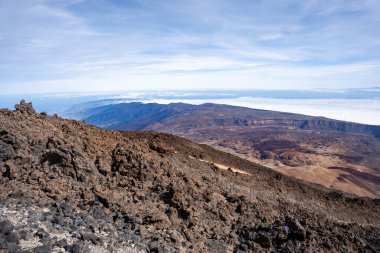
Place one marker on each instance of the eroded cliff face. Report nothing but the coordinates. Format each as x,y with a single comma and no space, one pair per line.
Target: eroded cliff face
69,186
308,124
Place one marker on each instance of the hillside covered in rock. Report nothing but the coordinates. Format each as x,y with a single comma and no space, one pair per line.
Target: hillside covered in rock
70,187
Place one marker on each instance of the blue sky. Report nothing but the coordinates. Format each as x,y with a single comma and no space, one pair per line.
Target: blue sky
103,45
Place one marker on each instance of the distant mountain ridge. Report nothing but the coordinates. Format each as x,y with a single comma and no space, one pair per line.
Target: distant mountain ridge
137,116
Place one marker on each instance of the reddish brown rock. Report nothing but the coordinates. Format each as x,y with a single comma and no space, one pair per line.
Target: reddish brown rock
153,187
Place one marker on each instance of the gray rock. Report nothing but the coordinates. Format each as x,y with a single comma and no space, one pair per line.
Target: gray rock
13,248
12,238
48,241
297,231
216,246
99,214
58,220
6,227
41,233
173,235
3,245
23,234
6,151
42,249
242,248
155,247
88,236
124,238
66,208
62,243
76,248
263,239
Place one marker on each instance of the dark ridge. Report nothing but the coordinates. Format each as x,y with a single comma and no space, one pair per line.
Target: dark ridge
137,116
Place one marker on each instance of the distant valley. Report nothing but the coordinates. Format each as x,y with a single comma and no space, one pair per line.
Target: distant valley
336,154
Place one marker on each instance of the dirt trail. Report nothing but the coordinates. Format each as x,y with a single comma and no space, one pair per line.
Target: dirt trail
222,166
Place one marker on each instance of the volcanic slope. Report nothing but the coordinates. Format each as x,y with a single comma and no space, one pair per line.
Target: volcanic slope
335,154
72,187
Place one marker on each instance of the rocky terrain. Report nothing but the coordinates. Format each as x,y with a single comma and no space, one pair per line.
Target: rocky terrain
70,187
336,154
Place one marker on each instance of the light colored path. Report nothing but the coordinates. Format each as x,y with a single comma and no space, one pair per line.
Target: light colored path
222,166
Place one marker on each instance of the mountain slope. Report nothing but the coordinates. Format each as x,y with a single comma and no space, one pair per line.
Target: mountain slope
336,154
107,190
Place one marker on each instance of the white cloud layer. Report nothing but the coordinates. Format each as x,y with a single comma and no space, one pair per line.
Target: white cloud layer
364,111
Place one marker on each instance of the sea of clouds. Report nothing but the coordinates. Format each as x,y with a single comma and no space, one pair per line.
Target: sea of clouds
366,111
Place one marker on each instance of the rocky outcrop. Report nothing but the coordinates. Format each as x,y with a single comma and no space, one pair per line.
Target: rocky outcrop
70,187
24,107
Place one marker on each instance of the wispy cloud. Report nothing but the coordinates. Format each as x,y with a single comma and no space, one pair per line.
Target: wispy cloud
70,45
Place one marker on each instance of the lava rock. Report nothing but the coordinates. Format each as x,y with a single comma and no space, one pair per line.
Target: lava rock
3,245
23,234
6,151
62,243
282,233
88,236
48,241
297,231
6,227
264,239
66,208
13,247
25,107
98,213
76,248
58,220
173,235
243,247
41,233
12,238
216,246
155,247
43,249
